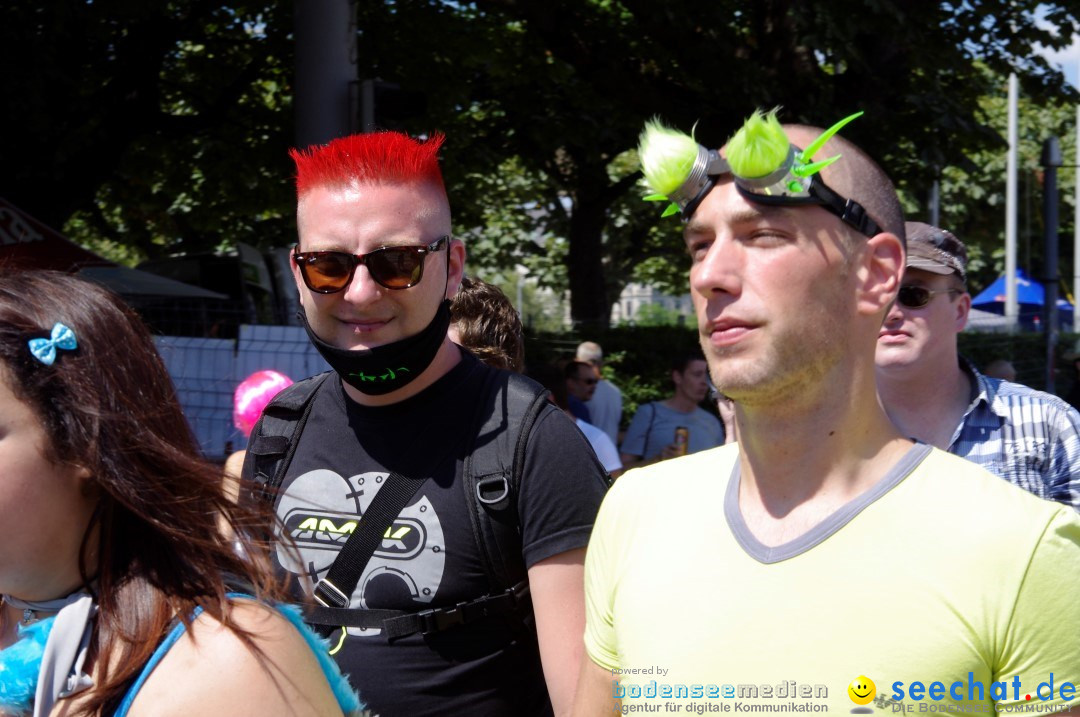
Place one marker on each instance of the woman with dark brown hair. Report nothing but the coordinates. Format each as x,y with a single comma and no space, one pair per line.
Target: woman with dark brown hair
121,594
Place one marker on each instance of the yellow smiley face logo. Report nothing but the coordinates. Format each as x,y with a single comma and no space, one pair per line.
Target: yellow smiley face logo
861,690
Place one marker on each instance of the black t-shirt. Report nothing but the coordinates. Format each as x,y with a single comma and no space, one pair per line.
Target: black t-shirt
430,557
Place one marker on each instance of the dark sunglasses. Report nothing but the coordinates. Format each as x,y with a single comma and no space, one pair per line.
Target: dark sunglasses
916,297
393,267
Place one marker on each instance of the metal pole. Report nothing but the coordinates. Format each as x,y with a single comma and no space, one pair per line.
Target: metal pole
935,203
1076,227
520,272
367,106
1011,311
325,33
1051,160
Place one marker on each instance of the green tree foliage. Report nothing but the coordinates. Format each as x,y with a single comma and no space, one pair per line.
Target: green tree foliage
657,315
973,193
163,126
146,128
564,86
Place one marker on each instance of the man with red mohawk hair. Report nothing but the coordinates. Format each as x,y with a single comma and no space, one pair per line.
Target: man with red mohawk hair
447,582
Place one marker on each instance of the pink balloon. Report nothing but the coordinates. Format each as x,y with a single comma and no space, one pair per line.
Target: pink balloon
252,395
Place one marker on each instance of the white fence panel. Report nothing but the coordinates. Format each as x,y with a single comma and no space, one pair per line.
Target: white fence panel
207,371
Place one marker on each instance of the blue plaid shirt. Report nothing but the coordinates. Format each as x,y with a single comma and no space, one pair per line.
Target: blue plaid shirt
1028,437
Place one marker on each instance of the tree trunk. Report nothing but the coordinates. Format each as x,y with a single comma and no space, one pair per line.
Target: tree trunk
589,305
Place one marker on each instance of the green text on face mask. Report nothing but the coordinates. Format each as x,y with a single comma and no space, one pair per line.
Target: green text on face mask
390,375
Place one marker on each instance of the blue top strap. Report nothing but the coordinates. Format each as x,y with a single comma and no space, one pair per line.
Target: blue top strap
347,698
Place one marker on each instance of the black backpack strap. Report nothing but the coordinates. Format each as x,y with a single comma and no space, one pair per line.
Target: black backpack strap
333,592
508,408
341,579
648,429
510,405
276,435
399,623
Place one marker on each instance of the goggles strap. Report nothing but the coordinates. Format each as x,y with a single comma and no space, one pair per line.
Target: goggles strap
819,193
692,205
848,210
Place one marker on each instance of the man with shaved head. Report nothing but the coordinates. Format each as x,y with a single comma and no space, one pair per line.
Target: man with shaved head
826,560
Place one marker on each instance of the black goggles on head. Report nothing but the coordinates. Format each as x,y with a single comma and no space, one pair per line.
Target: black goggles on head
781,188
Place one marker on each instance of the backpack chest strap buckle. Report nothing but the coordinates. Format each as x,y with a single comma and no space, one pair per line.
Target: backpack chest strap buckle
328,595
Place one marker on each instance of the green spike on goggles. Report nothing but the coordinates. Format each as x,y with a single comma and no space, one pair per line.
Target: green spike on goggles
794,183
708,167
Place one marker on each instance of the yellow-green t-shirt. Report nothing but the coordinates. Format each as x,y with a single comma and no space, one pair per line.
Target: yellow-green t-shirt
940,573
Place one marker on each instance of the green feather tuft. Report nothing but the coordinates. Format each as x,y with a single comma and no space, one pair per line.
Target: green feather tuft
655,198
667,156
759,148
672,208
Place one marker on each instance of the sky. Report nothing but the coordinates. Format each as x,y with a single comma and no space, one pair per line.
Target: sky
1068,58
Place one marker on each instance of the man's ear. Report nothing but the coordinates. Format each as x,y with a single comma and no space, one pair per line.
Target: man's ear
455,255
301,288
879,272
963,310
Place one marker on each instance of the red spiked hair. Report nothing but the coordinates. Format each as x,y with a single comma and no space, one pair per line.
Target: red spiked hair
373,158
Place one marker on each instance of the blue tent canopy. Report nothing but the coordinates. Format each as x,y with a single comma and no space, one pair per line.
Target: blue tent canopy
1029,296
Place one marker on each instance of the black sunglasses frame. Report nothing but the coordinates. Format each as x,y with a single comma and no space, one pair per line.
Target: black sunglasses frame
930,294
302,260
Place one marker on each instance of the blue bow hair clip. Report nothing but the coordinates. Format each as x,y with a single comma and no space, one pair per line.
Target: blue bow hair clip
44,350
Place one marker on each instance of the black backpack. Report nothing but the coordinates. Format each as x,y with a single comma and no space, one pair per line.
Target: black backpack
508,407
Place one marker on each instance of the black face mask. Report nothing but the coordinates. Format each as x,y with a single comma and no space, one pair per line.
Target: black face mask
383,369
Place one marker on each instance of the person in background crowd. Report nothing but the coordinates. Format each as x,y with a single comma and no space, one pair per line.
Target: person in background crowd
483,320
654,433
1072,357
725,407
489,327
119,587
551,378
249,400
581,382
1028,437
605,406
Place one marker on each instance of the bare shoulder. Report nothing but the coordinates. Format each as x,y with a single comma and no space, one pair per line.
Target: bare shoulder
234,464
211,668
